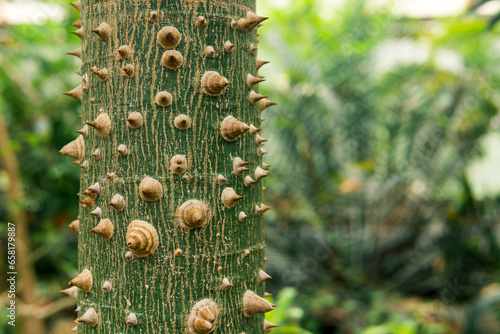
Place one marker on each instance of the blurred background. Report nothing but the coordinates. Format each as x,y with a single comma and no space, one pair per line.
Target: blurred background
385,155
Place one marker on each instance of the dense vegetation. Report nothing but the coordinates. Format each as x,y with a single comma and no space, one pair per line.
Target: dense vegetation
375,226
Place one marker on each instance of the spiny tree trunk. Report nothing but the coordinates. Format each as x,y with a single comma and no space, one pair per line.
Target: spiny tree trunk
171,238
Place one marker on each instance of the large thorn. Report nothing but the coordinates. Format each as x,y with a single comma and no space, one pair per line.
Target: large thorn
254,304
74,149
89,318
75,93
79,33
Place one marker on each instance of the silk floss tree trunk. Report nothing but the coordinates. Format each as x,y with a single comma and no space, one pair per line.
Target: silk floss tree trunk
171,238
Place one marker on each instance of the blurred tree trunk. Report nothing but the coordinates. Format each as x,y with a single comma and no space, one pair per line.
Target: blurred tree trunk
161,168
26,284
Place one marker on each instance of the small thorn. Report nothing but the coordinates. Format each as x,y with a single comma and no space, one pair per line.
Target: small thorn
253,130
248,181
254,97
102,73
102,124
226,284
77,52
79,33
255,20
239,166
97,154
84,131
89,202
210,51
228,46
97,212
229,197
70,291
200,21
124,51
122,149
89,318
75,225
260,63
128,70
251,80
74,149
153,16
85,165
103,31
85,82
264,207
265,103
244,24
117,202
262,276
131,319
112,177
260,173
77,5
95,188
242,216
268,326
259,140
221,180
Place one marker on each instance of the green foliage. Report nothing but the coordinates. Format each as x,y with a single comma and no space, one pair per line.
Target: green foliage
406,327
378,118
287,315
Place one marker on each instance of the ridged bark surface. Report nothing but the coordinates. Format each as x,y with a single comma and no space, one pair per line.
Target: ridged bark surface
161,289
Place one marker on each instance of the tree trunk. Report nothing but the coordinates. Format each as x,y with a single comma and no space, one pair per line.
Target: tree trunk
168,246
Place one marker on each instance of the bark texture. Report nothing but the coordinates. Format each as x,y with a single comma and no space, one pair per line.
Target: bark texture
189,265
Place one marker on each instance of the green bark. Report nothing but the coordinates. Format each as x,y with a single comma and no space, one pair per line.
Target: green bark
161,289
